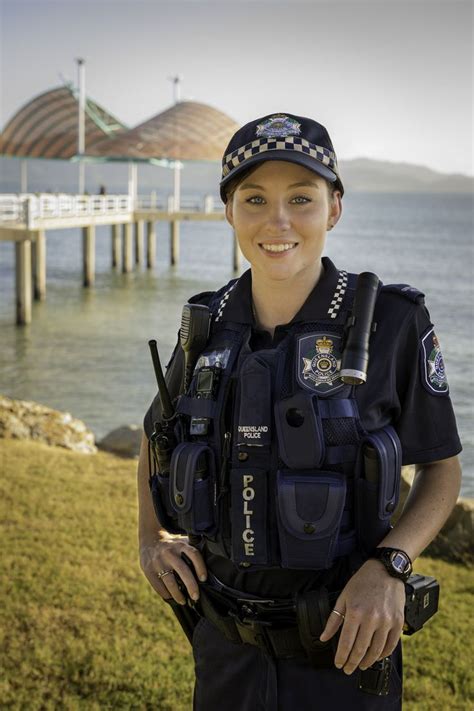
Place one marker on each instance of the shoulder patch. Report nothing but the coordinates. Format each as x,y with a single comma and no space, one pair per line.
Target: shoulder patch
409,292
433,373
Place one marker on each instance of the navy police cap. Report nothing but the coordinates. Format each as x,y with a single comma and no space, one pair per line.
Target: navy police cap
281,137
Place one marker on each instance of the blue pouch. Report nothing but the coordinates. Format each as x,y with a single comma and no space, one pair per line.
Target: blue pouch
299,429
310,509
192,482
377,486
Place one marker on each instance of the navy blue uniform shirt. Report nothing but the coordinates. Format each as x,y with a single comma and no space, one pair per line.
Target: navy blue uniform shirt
397,392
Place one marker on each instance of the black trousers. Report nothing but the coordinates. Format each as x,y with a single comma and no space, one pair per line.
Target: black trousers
239,677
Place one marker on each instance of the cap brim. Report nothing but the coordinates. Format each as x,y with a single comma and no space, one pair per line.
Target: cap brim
294,157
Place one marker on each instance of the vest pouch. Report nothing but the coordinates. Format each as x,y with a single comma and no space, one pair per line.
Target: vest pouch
300,434
377,483
192,481
310,509
160,494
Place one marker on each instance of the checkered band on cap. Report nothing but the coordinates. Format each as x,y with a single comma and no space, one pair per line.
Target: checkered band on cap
341,287
289,143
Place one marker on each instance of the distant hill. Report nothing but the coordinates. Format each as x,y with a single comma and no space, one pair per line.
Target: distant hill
358,175
366,175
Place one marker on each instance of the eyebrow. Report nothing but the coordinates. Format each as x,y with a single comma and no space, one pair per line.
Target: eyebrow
304,183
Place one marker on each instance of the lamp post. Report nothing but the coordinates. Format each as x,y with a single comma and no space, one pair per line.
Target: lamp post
177,165
81,124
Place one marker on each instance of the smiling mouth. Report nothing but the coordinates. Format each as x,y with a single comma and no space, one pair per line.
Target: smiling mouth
284,247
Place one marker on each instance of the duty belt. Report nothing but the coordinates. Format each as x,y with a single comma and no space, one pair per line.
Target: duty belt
281,628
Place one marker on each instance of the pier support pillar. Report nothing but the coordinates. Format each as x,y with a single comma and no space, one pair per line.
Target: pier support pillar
127,262
88,255
150,245
237,254
23,281
139,232
39,266
174,242
115,246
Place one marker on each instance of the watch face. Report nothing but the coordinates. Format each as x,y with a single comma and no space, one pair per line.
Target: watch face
399,562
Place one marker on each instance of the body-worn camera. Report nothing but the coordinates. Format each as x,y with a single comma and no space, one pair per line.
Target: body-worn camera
422,597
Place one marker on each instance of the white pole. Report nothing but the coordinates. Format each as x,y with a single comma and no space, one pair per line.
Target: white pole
81,123
177,165
132,183
23,176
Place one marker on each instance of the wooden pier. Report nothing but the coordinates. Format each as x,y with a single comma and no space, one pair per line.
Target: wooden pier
24,220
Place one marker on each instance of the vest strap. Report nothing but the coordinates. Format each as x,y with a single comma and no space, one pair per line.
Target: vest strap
341,453
196,407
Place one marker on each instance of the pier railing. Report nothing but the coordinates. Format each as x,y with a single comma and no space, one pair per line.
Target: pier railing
27,208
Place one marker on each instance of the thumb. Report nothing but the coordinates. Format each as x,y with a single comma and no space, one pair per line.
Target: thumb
332,625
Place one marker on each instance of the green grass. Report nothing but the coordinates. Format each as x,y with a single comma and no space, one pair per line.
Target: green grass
82,629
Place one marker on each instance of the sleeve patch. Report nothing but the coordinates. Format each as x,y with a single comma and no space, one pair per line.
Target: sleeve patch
433,373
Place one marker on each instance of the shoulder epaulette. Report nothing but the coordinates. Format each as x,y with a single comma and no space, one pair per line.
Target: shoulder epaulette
409,292
219,299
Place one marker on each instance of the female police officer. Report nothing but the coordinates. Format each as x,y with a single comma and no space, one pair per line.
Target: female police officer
270,482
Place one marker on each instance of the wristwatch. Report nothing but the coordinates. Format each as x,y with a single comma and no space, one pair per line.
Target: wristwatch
396,562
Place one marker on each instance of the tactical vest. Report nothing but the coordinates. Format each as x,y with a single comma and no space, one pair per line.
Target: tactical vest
273,466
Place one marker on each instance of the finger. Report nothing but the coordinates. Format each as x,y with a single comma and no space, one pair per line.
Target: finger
349,632
392,641
332,625
187,578
375,650
198,562
173,589
359,648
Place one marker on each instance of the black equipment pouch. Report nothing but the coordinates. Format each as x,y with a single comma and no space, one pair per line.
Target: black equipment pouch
299,429
160,494
376,678
377,482
310,508
192,482
312,613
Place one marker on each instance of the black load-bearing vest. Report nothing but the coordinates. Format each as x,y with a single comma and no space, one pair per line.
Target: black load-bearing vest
273,467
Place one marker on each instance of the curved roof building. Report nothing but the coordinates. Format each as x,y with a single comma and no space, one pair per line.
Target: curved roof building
187,130
46,127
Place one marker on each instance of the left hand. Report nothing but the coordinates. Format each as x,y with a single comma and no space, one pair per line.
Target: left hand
373,604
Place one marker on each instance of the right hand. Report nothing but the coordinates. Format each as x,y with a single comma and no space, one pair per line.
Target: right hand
165,554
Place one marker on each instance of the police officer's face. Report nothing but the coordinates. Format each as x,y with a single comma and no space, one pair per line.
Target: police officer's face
281,213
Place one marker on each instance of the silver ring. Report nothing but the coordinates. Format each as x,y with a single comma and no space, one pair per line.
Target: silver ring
162,573
339,613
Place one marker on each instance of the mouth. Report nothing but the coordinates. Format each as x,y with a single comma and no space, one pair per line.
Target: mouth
277,248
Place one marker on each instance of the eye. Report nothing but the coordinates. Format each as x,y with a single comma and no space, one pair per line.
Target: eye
253,198
301,199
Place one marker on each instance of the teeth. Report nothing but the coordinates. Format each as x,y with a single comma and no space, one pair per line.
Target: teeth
278,247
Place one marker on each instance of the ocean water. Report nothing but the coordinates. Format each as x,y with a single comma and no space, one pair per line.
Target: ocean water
86,350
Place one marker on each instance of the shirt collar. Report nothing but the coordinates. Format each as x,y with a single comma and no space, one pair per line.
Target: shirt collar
239,304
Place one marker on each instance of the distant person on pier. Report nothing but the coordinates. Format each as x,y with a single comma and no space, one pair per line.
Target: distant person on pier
266,511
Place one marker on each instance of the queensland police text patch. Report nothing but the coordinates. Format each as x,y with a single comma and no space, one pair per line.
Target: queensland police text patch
433,373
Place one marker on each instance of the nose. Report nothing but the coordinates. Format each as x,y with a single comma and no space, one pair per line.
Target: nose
278,219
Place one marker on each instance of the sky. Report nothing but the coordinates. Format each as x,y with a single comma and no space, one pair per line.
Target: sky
390,79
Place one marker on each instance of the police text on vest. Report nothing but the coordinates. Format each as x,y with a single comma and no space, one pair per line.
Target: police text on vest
248,494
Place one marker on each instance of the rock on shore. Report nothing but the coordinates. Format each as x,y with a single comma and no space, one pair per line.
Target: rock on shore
22,419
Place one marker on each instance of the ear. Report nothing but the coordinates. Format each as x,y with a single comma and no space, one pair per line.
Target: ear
229,212
335,210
